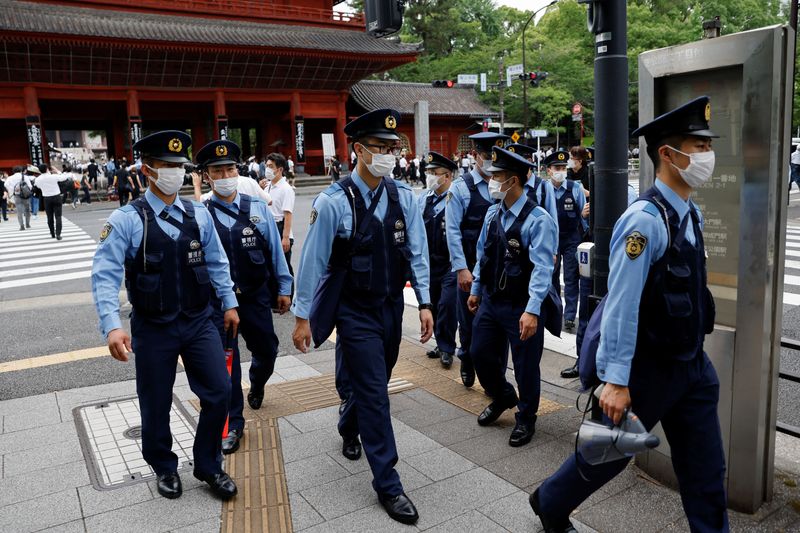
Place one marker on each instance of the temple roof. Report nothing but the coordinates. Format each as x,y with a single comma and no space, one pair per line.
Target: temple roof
454,101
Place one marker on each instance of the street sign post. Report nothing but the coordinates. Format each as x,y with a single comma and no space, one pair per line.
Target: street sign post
483,82
468,79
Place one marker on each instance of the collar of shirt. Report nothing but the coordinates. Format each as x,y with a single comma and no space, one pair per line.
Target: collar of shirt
363,188
561,187
515,208
158,205
223,203
476,177
276,184
433,193
680,205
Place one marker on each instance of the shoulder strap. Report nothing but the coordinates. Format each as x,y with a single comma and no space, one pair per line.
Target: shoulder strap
664,216
470,182
391,190
530,205
345,185
189,207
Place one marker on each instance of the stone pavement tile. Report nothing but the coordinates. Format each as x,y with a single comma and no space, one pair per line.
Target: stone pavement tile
95,501
20,405
324,367
309,444
317,356
33,459
212,525
470,521
286,428
559,423
47,481
52,435
297,372
487,447
326,417
642,508
513,512
447,499
288,361
410,477
76,526
354,467
188,481
428,415
409,441
538,460
424,397
303,515
312,471
342,496
368,520
402,402
276,378
34,417
184,393
158,514
45,511
439,464
458,430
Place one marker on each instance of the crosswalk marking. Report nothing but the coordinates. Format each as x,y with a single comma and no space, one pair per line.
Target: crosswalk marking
33,257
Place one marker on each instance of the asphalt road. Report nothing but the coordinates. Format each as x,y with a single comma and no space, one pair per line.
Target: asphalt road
55,317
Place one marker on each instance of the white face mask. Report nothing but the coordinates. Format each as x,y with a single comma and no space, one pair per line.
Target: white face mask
169,179
571,164
559,176
432,181
225,186
269,174
494,189
382,164
701,166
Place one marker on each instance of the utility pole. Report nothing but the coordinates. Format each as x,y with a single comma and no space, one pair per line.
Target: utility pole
501,88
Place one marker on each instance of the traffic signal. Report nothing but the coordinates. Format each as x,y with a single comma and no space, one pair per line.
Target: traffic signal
384,17
536,77
443,83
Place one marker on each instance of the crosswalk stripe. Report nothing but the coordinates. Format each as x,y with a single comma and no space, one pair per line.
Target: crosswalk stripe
26,282
790,298
39,253
51,259
791,280
42,269
55,246
41,240
38,232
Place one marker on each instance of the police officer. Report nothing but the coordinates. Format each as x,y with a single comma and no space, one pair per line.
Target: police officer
467,205
172,259
511,284
570,200
366,239
541,189
439,172
259,272
655,364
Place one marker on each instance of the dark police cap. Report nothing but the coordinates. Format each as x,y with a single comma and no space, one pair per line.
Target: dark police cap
521,149
218,153
486,140
561,157
381,124
689,119
503,160
171,146
437,160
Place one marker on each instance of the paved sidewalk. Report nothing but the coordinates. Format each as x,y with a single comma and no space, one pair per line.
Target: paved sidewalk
291,474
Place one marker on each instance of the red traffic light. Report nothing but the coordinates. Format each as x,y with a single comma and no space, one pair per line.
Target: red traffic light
443,83
533,75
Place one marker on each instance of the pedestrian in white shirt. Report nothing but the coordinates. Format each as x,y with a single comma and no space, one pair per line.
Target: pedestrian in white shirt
20,186
291,175
794,166
404,167
282,204
465,164
51,193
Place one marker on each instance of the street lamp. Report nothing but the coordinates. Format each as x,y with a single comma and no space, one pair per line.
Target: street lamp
524,67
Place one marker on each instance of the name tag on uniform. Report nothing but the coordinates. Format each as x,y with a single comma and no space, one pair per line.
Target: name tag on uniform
249,242
195,257
569,204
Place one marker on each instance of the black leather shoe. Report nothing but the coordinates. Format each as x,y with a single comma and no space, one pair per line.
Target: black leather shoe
522,434
351,448
221,484
58,237
400,508
571,372
494,410
433,354
255,397
467,373
447,359
231,443
549,525
569,326
169,485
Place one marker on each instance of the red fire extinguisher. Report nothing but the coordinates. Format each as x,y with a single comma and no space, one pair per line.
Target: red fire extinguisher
229,340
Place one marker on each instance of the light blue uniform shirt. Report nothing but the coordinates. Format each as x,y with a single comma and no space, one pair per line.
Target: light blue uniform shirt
438,208
627,278
578,195
632,196
539,234
456,208
123,242
549,197
266,226
334,218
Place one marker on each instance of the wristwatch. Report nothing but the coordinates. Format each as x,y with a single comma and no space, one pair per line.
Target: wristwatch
425,306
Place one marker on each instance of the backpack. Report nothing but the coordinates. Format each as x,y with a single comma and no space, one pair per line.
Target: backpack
23,190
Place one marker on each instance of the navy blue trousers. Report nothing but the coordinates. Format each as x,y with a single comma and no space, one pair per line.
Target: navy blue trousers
367,346
443,300
586,287
683,396
497,325
157,347
465,319
258,331
567,250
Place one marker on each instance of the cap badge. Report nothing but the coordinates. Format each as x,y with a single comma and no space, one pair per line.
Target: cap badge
512,149
399,225
494,156
175,145
499,143
708,112
561,157
194,245
391,122
429,159
222,150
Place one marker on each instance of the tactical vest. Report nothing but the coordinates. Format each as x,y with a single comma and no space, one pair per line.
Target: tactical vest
168,278
472,222
378,263
677,309
538,183
435,228
506,267
248,251
569,220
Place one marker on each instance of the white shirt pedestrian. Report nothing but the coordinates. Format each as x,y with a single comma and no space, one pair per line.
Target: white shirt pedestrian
282,200
48,183
796,156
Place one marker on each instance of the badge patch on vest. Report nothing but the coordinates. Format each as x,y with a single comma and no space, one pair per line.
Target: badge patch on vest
194,245
106,231
399,225
247,231
255,219
635,244
313,217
